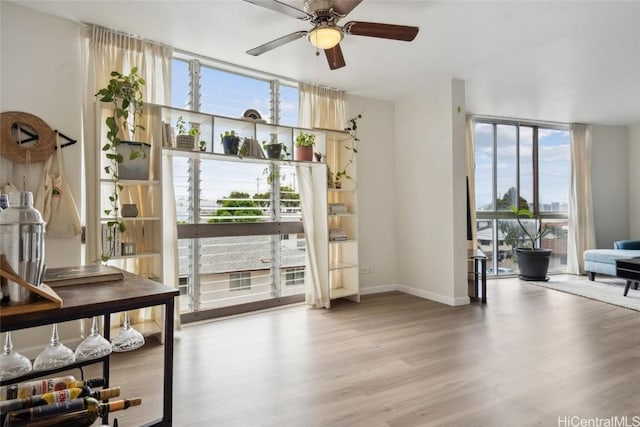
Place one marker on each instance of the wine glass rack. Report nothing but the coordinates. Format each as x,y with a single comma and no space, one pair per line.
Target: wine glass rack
130,293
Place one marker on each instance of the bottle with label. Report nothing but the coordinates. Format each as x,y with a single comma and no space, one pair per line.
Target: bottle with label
73,413
54,397
34,388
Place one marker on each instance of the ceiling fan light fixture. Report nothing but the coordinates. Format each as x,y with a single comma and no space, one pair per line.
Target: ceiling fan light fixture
323,37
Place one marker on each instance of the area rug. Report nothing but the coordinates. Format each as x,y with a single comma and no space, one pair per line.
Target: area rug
605,289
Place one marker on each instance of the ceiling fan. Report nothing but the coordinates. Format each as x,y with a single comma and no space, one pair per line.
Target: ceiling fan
326,34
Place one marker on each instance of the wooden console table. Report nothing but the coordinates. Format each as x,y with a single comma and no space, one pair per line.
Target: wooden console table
102,299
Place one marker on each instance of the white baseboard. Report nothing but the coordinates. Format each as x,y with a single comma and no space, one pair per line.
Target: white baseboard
378,289
443,299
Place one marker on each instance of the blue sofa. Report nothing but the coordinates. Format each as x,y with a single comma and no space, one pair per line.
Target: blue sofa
603,261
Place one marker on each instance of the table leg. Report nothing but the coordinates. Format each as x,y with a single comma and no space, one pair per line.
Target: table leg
106,333
476,290
483,263
626,289
168,364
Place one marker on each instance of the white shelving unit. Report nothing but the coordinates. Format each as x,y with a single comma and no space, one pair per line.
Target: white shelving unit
212,126
342,271
145,230
342,203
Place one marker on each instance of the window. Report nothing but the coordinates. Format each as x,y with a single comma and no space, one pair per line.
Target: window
294,277
288,105
180,84
239,281
525,165
229,94
199,86
234,247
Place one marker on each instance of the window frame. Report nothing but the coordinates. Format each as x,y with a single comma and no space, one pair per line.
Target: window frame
275,226
241,278
494,216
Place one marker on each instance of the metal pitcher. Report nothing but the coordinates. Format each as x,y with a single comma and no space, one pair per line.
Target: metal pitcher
22,245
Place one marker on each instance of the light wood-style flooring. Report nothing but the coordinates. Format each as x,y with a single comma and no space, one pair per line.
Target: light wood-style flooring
528,357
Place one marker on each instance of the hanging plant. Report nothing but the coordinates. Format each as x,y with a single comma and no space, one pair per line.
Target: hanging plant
353,126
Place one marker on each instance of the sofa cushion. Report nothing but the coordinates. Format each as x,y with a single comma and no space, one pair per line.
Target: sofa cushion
627,244
609,256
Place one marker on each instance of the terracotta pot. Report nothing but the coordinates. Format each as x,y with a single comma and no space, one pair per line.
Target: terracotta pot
304,154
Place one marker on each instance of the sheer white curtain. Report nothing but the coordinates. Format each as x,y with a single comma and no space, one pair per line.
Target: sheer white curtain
311,180
324,108
320,107
581,229
106,51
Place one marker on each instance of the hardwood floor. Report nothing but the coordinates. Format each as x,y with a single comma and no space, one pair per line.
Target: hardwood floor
528,357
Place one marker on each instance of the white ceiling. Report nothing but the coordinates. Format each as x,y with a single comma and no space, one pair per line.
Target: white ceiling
545,60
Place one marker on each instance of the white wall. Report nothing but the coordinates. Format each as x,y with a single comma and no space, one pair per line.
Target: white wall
375,163
610,184
430,176
634,181
41,74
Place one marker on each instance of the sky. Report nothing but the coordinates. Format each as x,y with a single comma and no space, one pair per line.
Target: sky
554,163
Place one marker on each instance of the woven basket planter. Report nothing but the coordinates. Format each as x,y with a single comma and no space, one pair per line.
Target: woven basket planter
186,141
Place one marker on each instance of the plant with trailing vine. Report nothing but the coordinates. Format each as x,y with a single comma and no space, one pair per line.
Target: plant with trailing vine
124,92
352,128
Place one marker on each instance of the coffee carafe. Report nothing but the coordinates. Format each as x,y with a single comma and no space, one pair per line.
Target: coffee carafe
21,245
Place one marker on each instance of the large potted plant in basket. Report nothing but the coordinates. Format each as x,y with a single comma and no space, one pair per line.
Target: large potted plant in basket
533,262
126,159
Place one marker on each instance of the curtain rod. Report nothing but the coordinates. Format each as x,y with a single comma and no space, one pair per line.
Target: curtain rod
521,121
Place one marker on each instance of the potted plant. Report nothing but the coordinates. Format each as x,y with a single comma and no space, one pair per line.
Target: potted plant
337,178
230,142
275,149
304,146
203,145
533,262
124,92
185,138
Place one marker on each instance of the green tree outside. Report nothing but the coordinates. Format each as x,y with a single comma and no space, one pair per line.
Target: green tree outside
289,199
235,208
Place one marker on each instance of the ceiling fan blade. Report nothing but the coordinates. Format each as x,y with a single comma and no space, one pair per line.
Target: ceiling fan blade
334,57
281,7
343,7
383,31
276,43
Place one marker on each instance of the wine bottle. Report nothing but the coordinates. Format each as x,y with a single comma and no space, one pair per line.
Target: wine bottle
73,413
56,396
34,388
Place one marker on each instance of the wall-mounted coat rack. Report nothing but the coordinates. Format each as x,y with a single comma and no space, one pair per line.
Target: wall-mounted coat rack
18,128
33,137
